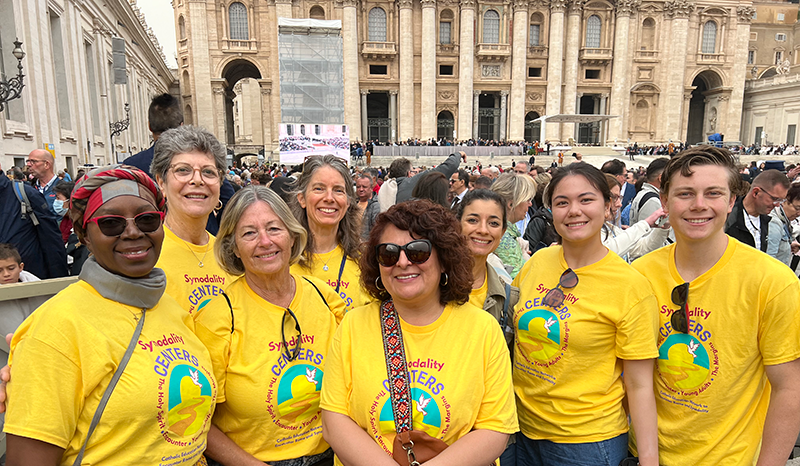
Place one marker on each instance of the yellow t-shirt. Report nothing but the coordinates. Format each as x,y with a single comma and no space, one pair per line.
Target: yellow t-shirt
568,361
458,365
63,357
267,405
191,285
744,315
477,297
350,288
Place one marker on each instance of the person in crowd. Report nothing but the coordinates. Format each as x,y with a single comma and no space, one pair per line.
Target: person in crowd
749,221
41,164
636,241
188,163
540,232
646,200
259,239
324,202
517,192
367,202
459,186
584,316
65,355
482,182
63,190
616,168
521,168
432,186
404,179
419,270
782,218
12,268
729,338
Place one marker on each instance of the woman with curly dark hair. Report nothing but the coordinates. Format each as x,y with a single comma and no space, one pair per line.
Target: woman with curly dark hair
449,358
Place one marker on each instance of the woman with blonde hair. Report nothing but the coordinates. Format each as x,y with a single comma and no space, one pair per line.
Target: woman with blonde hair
517,191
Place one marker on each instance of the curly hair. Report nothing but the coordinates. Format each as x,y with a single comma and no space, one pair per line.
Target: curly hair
423,219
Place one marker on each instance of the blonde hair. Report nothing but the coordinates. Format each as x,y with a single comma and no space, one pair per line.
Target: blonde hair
515,188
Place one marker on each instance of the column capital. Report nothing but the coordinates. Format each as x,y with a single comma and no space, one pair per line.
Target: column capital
504,93
428,3
558,5
393,92
476,93
219,90
364,91
467,4
405,4
679,8
266,91
349,3
627,7
520,5
745,13
575,7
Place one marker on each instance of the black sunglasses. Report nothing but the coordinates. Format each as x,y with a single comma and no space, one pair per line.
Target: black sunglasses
680,317
555,297
417,251
291,354
114,225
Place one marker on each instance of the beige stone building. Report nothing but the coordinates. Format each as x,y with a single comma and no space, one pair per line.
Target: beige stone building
69,97
666,70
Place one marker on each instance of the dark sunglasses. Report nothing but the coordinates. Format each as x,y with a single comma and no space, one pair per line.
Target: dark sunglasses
555,297
291,354
417,251
114,225
680,317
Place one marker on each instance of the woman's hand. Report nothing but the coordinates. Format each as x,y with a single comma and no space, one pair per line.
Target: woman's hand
478,448
352,445
24,451
654,217
224,451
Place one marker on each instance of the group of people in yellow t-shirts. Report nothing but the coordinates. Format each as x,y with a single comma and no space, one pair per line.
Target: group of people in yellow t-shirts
685,357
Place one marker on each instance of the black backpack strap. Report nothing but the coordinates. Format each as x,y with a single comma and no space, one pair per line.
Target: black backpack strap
318,292
647,196
229,307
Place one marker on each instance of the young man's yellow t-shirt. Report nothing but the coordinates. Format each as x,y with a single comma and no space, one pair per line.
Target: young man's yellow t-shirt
191,285
711,387
349,286
268,405
568,361
63,357
458,366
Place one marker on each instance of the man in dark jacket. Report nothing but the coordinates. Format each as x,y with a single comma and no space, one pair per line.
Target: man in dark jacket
41,247
749,220
405,184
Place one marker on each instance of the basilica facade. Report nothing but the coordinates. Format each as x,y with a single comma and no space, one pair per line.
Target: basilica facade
460,69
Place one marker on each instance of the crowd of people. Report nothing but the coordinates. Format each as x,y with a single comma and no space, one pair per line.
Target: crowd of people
325,314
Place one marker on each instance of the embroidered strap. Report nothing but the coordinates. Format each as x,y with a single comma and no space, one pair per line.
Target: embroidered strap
396,367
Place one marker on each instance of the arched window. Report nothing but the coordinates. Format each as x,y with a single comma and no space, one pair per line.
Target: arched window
648,34
377,25
317,12
491,27
535,30
446,27
187,86
187,115
182,27
709,37
237,14
593,27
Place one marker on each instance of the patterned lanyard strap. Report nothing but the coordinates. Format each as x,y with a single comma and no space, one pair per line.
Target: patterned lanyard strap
396,367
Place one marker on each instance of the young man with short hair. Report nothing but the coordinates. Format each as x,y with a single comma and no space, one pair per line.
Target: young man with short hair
727,379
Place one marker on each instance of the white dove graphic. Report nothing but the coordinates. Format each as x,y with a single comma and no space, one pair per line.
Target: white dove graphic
195,378
422,403
693,345
310,375
549,324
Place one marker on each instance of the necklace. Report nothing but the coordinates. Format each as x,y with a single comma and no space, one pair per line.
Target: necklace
189,247
325,266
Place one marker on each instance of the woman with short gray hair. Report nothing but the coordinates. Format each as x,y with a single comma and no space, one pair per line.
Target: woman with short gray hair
188,164
268,338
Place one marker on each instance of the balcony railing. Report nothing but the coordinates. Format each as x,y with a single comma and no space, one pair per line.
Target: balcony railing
379,49
596,56
447,49
711,58
246,46
646,55
537,51
493,51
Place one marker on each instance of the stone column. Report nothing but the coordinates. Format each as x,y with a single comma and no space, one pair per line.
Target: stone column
204,102
428,89
352,110
266,115
571,65
364,119
283,9
555,63
678,11
603,124
620,90
519,63
219,114
406,69
503,116
466,74
731,127
475,115
393,113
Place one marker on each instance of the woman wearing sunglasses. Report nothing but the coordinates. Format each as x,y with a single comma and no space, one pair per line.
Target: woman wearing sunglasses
269,343
188,163
326,206
517,191
418,268
114,325
584,316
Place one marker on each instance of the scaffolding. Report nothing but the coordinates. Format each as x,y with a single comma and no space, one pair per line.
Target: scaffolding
311,71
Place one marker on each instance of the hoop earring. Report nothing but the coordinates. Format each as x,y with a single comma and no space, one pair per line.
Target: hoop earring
377,281
445,279
219,205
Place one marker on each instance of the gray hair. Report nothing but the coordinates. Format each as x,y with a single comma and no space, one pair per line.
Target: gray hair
181,140
515,188
225,245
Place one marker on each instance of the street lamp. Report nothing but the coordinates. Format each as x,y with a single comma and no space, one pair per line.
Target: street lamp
118,127
12,89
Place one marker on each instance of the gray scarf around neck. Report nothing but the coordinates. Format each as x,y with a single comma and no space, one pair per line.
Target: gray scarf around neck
137,292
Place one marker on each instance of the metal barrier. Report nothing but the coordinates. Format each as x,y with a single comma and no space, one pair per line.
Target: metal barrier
444,151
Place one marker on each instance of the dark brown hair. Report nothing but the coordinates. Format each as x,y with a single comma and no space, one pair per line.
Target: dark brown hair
697,156
423,219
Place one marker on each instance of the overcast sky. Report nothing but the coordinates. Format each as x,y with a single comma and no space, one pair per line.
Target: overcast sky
160,16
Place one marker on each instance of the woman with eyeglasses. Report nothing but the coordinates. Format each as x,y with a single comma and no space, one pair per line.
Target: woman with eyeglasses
188,163
418,268
517,191
584,316
268,338
325,204
112,346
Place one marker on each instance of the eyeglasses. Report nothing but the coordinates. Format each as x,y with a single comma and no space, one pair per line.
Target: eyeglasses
32,161
184,172
452,181
680,317
114,225
775,200
291,354
555,297
417,251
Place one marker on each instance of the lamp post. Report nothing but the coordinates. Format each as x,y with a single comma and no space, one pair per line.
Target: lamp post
119,126
12,89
